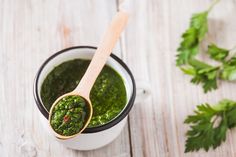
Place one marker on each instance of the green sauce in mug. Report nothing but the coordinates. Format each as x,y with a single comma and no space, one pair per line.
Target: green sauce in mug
108,95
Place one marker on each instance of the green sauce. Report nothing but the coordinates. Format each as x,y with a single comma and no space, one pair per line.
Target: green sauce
69,115
108,95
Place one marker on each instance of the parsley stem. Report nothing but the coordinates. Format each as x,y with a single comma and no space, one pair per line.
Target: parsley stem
213,4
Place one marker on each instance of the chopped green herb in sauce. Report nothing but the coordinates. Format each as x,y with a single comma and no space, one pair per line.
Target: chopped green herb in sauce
108,95
69,115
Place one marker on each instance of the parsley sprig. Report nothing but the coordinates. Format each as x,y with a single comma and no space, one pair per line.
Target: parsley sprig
209,125
201,72
189,47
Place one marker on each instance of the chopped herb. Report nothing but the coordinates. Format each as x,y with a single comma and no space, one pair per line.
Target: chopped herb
69,115
108,95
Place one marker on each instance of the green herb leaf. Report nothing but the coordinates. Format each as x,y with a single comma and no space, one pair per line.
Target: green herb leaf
216,53
191,37
209,125
229,70
199,21
202,74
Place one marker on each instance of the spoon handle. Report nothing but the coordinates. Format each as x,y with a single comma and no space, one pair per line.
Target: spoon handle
104,50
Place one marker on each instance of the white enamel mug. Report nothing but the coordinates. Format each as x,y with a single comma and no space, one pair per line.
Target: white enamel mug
96,137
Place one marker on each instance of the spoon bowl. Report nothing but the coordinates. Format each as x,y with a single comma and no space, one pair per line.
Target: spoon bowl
88,116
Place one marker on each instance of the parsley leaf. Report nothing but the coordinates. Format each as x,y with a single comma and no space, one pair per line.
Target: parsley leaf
216,53
229,70
199,21
191,37
202,74
209,125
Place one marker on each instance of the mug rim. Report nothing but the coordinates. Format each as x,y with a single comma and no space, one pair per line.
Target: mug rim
103,127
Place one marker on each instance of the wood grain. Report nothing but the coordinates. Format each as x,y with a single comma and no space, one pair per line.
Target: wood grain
150,46
31,30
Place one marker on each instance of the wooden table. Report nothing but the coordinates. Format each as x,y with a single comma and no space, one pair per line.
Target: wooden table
32,30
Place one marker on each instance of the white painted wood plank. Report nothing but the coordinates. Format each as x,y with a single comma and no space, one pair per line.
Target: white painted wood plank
156,122
31,31
144,37
221,27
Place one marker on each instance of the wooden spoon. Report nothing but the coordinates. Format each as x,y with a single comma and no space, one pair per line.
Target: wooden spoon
99,59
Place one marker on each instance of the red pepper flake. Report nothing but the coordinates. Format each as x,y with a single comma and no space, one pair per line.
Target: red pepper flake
66,118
